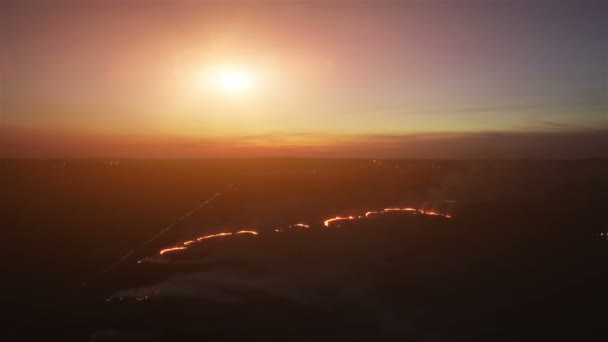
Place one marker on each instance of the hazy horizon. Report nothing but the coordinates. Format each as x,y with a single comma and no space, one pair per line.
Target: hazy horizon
463,79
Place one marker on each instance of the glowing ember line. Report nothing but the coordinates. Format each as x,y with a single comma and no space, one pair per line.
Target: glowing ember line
337,218
434,213
326,223
400,209
212,236
370,213
253,232
172,249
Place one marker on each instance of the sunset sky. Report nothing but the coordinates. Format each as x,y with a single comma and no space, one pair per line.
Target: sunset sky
285,78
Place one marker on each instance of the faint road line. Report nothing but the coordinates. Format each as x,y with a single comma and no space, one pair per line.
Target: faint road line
154,237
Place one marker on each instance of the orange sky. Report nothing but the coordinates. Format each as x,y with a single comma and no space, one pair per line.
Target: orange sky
334,78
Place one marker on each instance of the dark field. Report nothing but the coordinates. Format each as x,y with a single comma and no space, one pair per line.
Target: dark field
522,257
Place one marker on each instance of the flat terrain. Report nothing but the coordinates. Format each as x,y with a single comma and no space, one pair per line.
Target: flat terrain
521,258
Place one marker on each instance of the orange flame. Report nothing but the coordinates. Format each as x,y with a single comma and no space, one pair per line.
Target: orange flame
434,213
326,223
337,218
212,236
253,232
370,213
400,209
172,249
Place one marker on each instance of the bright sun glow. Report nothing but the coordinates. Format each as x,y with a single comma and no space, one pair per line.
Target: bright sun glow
233,80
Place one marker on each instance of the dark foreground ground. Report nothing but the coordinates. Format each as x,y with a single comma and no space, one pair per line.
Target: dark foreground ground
522,258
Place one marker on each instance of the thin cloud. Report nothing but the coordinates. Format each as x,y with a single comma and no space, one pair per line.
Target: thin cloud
567,126
571,142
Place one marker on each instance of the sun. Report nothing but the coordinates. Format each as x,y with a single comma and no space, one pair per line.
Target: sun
233,80
228,81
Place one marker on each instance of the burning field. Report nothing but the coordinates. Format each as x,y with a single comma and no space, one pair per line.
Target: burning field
333,222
